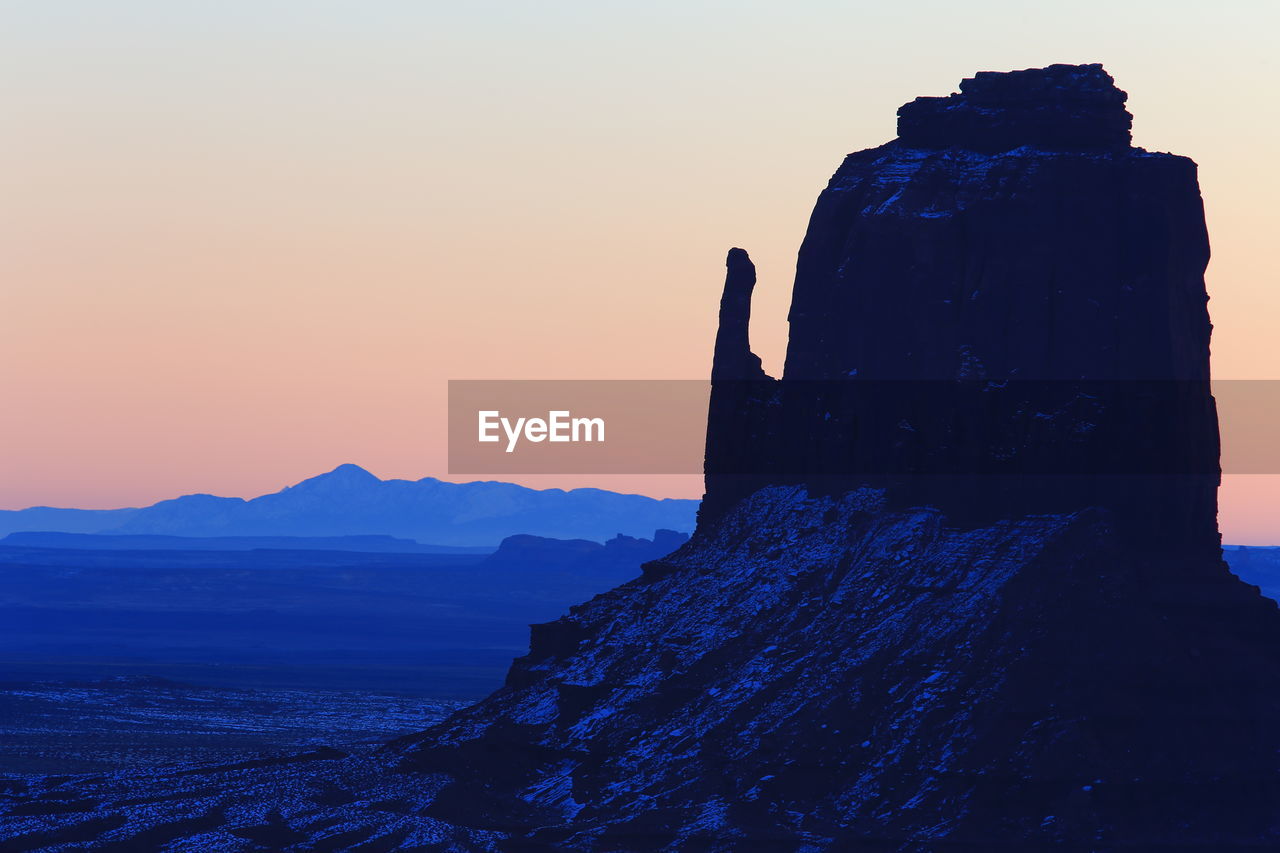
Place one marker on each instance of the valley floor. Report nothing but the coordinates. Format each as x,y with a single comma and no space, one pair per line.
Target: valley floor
144,724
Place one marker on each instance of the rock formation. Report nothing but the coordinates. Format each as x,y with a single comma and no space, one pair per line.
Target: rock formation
618,557
1007,290
957,582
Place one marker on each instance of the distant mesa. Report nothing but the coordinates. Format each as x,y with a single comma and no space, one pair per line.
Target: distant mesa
538,553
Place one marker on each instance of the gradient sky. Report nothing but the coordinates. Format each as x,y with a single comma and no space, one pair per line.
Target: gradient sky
242,242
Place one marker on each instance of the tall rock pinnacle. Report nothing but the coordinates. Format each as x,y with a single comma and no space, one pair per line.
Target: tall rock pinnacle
733,357
742,421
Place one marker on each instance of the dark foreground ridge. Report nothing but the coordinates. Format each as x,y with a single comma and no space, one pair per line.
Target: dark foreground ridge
933,659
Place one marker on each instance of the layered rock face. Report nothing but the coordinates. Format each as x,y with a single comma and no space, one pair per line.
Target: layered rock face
1001,311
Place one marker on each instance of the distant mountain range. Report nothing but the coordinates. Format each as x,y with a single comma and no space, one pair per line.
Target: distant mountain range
349,502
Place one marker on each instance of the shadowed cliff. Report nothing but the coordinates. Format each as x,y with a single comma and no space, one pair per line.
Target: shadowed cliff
957,581
1003,310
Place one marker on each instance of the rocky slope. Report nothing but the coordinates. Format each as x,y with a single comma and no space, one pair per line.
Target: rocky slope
824,672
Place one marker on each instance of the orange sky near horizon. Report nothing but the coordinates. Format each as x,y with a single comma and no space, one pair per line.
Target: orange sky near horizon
241,243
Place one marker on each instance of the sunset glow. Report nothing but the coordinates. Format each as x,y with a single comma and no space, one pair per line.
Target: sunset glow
246,242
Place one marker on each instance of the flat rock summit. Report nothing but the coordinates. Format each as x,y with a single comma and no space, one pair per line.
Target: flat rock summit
956,584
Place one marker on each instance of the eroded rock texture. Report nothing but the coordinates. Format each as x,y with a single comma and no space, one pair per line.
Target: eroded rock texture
829,673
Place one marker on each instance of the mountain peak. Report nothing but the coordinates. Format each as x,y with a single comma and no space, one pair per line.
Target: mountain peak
347,472
344,479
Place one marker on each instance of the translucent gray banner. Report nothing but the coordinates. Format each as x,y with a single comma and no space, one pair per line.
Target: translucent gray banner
659,426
